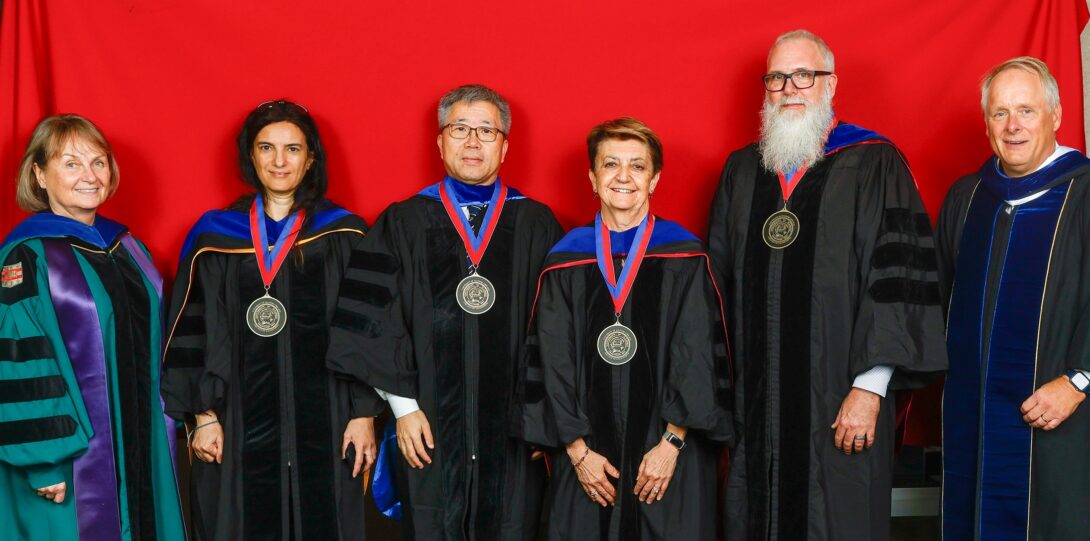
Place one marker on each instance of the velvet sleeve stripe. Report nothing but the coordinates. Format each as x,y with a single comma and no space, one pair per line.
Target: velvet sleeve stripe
902,254
190,325
180,357
902,220
25,349
357,323
366,292
890,290
33,430
31,389
379,262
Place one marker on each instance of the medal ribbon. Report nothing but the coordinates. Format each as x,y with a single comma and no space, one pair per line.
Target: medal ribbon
788,187
475,244
619,288
269,262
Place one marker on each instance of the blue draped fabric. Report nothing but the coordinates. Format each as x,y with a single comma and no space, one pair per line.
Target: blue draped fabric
383,488
986,445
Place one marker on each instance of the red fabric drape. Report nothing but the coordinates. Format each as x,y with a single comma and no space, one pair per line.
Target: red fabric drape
170,82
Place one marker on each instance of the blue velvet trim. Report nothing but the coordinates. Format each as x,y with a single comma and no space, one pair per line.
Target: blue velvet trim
1063,168
470,195
45,224
581,239
846,135
383,488
985,441
237,225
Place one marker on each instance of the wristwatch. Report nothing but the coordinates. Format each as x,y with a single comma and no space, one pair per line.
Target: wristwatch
1079,380
672,439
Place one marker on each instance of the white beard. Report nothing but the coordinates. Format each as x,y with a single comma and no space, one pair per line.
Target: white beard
790,139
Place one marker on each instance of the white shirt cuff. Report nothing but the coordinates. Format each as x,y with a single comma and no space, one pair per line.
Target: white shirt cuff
399,405
875,380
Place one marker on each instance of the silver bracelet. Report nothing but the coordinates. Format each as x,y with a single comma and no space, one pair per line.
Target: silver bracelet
189,435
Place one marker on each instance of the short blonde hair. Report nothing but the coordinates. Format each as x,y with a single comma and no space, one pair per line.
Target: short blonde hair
624,129
46,143
1029,65
801,33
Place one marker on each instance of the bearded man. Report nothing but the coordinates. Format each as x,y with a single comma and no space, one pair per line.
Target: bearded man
821,239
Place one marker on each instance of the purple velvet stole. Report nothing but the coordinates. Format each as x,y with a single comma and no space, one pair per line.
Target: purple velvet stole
94,473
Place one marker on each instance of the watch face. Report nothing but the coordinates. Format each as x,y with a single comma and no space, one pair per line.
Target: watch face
1081,381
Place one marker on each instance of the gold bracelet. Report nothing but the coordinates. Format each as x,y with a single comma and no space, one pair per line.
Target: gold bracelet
576,464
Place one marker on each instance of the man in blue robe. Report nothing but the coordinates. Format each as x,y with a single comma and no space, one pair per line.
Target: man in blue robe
1013,254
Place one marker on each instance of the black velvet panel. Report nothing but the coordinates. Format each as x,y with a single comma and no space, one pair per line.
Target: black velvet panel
186,357
29,389
446,266
132,342
901,220
795,356
25,349
314,432
901,254
191,324
905,290
766,200
495,381
32,430
366,292
356,322
259,377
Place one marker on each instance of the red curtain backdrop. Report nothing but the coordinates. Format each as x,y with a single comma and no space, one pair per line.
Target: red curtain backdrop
170,83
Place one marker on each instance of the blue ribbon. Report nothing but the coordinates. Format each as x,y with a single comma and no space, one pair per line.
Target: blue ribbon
383,488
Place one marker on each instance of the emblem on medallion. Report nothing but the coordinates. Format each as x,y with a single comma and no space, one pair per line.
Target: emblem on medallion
780,229
266,316
476,294
617,344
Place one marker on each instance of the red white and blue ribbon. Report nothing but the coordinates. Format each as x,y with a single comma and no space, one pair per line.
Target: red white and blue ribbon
620,287
475,243
269,261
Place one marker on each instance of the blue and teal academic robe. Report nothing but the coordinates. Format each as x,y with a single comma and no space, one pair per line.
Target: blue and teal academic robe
80,335
1018,281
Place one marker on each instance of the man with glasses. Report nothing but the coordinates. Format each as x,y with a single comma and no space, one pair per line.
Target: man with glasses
820,236
441,293
1012,244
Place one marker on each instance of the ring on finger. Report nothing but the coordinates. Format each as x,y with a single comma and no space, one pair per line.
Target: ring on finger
859,438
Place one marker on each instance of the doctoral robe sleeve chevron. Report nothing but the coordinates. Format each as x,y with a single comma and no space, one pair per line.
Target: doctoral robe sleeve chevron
43,422
898,322
370,314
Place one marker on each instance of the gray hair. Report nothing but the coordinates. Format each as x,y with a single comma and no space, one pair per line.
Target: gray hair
470,94
826,52
1029,65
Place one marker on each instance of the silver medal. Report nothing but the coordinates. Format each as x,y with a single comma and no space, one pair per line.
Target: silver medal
266,316
780,229
617,344
475,294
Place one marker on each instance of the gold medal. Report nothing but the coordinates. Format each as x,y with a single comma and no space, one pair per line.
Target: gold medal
780,229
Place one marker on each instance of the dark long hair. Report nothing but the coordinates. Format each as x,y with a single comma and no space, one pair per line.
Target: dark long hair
310,194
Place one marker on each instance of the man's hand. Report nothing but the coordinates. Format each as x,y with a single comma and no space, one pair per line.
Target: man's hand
413,433
856,420
1051,404
53,493
361,433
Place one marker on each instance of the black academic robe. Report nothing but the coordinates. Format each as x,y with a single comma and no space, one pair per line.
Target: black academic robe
283,411
412,339
856,289
679,375
1019,317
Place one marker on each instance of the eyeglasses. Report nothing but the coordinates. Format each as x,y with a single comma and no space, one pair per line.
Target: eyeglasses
485,134
287,103
802,79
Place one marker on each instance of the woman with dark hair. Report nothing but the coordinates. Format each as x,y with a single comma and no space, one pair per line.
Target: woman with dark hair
629,381
85,451
279,438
